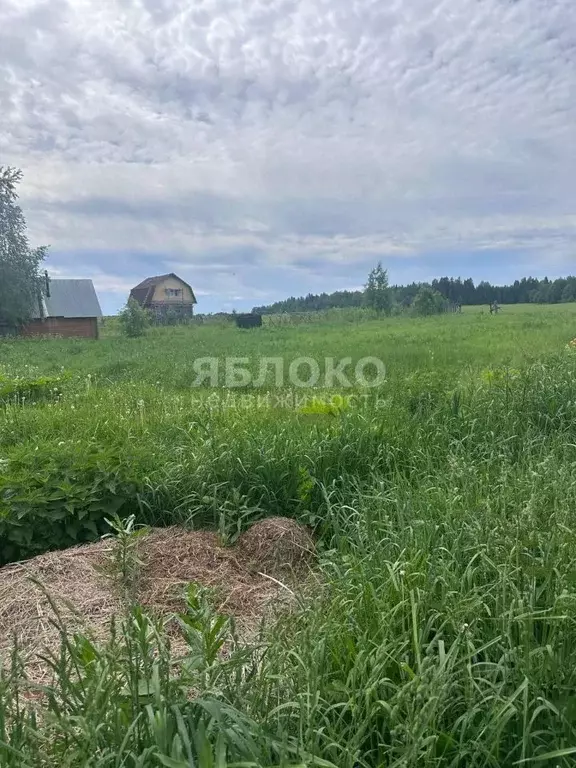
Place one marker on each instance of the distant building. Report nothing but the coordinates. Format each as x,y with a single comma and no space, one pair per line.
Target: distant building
164,295
67,308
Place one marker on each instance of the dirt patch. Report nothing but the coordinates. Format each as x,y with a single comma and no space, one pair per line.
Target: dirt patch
247,581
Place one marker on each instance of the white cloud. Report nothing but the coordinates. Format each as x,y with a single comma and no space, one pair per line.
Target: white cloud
324,130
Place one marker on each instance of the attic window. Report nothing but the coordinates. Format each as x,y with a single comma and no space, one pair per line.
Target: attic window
173,292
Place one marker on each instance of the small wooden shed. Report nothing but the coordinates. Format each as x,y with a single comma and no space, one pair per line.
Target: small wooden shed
68,308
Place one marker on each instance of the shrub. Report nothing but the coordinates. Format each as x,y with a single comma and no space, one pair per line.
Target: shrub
134,319
428,302
51,500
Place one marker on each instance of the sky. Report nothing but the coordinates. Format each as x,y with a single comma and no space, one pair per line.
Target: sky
267,148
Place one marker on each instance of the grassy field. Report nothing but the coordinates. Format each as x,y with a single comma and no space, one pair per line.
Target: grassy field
519,334
444,632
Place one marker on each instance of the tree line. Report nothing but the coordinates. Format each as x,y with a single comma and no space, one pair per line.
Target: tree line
20,282
453,290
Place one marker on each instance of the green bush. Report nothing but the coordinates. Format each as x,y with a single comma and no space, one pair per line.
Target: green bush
134,319
428,302
51,499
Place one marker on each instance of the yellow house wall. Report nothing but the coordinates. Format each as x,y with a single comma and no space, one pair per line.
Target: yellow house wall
172,282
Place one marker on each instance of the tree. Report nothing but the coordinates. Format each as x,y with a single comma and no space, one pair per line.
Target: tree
569,292
134,319
377,293
19,264
428,302
556,290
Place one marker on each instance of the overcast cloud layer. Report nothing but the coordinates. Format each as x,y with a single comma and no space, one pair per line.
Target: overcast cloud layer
266,147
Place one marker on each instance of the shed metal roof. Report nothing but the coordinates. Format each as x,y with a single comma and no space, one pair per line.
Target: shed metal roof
70,298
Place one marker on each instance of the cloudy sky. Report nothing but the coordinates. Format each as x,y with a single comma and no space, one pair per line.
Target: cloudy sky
263,148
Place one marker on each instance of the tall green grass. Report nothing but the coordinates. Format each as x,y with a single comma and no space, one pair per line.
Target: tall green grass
439,626
450,342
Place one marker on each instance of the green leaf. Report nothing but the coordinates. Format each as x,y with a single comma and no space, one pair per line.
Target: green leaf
548,755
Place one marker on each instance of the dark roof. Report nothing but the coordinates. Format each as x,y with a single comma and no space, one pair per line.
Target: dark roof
142,295
70,298
144,291
153,281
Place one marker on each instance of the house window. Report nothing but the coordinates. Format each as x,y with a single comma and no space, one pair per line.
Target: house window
174,292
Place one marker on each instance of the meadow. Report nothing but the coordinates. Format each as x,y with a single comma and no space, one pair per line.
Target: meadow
442,629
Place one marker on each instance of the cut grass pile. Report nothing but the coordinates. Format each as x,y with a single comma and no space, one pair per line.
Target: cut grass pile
90,588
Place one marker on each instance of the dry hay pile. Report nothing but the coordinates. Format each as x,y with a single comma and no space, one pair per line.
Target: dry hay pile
247,581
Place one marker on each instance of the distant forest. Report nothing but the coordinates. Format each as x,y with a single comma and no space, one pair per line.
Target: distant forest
527,290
